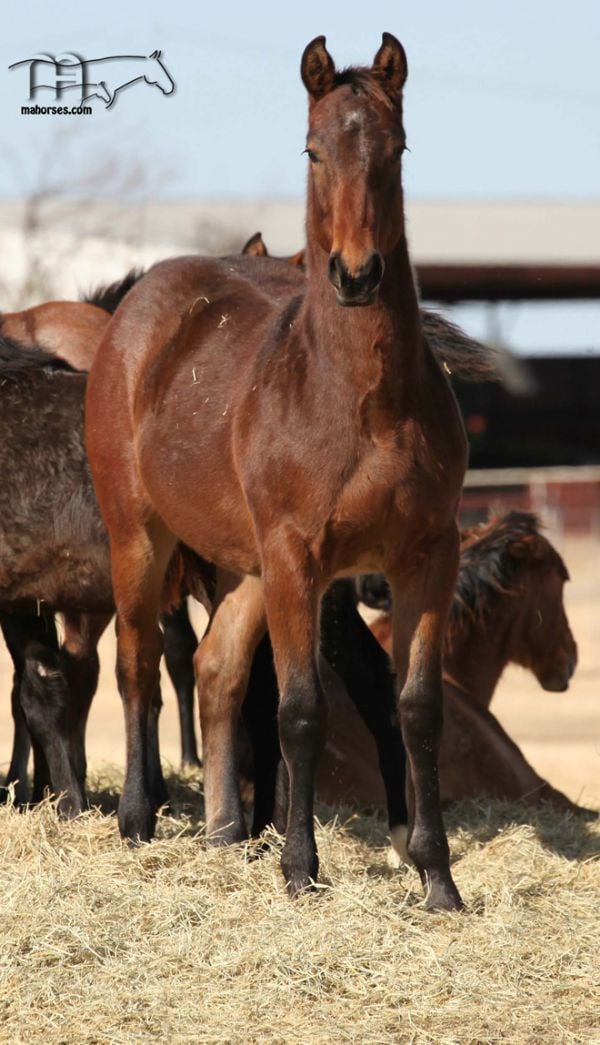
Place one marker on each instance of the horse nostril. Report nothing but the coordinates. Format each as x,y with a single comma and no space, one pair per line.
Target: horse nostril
336,271
373,270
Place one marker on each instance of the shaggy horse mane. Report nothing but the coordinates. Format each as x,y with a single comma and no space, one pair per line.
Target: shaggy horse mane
492,557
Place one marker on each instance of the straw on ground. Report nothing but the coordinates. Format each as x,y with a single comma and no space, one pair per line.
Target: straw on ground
101,943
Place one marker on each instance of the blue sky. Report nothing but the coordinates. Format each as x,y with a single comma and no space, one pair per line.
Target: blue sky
503,99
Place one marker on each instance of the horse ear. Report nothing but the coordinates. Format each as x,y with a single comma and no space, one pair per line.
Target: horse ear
255,246
317,68
390,65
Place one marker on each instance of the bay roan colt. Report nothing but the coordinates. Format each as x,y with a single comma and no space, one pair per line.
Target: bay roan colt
289,438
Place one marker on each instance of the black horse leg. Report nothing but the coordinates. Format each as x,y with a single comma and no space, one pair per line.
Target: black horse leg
365,669
42,785
354,653
18,632
156,781
180,644
259,715
17,770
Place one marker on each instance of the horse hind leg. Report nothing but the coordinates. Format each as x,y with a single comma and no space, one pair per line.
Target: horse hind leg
222,663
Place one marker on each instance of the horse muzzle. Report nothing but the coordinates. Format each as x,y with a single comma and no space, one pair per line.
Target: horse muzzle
356,288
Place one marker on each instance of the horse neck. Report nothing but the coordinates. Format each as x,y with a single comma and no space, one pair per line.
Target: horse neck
387,333
476,655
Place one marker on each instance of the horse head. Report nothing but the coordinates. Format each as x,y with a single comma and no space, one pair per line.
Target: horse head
160,77
355,144
547,646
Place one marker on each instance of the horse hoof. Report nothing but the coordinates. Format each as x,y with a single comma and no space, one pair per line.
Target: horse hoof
297,879
299,884
137,827
443,896
69,809
229,834
189,766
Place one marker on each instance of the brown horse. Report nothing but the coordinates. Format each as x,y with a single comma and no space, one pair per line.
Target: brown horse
71,331
508,607
211,407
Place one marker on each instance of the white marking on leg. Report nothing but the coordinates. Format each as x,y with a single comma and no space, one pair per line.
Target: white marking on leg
398,854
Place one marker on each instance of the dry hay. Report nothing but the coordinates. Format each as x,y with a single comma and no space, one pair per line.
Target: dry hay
101,943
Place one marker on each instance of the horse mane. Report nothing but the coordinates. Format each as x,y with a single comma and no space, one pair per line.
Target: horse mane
492,559
17,360
110,295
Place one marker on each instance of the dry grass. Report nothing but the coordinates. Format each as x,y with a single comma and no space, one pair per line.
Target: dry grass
100,943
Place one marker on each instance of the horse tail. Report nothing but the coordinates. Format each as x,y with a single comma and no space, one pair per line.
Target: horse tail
464,358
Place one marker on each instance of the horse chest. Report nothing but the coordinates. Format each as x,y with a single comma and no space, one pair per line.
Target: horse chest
398,497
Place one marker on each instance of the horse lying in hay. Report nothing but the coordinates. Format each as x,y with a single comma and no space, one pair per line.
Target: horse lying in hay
507,608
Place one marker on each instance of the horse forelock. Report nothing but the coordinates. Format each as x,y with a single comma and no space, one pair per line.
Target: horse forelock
363,81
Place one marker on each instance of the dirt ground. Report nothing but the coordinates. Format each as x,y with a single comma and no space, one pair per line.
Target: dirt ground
559,733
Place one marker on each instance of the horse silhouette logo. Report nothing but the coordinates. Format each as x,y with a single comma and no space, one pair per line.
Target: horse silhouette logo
102,78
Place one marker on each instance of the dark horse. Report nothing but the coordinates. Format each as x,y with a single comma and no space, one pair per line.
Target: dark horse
288,441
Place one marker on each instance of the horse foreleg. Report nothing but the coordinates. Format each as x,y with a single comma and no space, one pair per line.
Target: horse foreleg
138,569
421,603
21,635
222,663
17,770
292,602
19,760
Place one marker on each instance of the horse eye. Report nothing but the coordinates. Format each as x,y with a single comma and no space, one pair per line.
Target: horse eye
397,153
312,156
